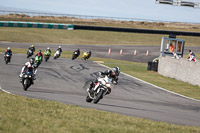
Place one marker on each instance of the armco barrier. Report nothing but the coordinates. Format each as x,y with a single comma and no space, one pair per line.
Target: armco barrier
36,25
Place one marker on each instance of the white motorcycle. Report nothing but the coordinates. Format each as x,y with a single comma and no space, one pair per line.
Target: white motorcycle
100,89
57,54
7,58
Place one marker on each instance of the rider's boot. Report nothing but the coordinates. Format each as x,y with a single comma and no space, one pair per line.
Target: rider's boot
20,77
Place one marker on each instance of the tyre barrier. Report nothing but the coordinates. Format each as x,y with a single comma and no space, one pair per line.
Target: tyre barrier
36,25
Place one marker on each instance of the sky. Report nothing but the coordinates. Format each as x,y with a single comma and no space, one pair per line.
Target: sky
137,9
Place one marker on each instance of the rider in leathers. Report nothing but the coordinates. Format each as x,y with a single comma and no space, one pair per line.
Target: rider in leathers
112,74
39,53
8,51
77,51
32,48
29,65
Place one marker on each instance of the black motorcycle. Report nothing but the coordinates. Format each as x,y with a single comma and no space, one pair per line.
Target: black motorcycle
29,53
75,55
7,58
27,79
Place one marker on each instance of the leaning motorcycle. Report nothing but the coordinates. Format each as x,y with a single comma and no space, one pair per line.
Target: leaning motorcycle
75,55
27,79
100,89
57,54
47,55
29,53
85,56
37,62
7,58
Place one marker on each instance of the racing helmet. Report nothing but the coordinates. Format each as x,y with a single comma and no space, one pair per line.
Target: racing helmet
32,46
59,47
116,70
48,48
8,48
31,60
39,51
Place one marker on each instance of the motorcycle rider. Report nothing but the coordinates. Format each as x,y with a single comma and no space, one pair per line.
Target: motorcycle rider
8,51
59,49
39,53
29,65
32,48
48,49
77,51
89,54
112,74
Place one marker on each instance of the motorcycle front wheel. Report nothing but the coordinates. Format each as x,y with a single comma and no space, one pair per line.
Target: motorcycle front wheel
98,97
26,84
88,99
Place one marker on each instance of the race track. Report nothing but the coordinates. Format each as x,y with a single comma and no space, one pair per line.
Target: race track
64,80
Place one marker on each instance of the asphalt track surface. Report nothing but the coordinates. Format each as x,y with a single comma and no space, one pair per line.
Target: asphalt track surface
66,81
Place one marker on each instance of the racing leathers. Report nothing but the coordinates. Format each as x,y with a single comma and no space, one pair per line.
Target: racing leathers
32,48
39,54
30,67
110,74
9,52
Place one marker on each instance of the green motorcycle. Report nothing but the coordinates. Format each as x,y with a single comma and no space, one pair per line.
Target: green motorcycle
37,62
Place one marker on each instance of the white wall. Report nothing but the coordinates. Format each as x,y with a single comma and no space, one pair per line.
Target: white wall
181,69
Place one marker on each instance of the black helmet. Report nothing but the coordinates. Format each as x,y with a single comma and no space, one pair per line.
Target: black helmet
116,70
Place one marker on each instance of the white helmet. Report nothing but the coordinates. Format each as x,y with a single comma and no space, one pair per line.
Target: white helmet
59,47
8,48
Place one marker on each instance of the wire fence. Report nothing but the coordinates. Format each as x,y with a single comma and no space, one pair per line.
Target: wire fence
71,17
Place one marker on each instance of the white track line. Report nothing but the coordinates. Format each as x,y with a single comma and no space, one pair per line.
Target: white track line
155,85
5,91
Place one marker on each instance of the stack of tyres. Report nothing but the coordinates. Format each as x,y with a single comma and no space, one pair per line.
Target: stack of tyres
152,66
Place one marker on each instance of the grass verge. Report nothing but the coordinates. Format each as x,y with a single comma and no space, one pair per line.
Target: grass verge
36,35
25,115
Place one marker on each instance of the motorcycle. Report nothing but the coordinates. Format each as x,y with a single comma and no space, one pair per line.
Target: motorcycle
7,58
29,53
75,55
100,89
37,61
27,79
47,55
57,54
85,56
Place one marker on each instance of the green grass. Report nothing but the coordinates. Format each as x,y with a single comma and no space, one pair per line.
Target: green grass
25,115
36,35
